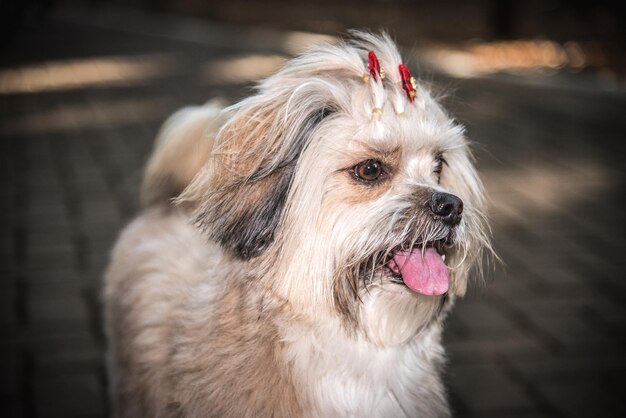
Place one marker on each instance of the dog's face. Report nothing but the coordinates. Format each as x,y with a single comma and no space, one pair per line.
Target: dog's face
344,196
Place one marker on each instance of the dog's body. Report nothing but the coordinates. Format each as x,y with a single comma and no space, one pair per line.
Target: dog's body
310,281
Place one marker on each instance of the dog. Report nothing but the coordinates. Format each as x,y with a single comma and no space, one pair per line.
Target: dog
298,251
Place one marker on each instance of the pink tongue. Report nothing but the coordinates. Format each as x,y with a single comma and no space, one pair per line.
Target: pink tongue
422,273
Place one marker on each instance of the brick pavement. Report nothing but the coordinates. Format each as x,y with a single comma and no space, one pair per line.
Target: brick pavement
80,103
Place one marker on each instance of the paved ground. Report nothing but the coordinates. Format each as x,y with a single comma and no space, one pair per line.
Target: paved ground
80,104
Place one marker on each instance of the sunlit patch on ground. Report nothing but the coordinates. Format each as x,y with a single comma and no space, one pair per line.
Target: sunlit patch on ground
517,194
518,57
241,69
87,72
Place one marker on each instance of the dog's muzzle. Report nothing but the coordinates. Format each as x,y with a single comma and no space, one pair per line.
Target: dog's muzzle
421,266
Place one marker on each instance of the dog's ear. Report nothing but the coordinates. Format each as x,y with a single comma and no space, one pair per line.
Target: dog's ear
242,192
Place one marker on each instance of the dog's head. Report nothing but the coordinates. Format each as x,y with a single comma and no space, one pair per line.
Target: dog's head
347,193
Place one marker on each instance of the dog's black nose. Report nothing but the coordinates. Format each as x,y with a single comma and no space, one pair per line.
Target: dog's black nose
447,206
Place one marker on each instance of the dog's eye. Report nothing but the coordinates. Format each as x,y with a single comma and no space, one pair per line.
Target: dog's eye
439,162
368,170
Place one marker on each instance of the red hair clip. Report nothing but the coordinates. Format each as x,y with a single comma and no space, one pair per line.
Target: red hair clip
374,66
408,82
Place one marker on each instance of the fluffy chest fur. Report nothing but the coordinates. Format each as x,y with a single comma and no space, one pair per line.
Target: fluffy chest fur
285,363
343,376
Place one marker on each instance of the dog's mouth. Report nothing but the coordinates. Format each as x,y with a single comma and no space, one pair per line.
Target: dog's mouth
421,268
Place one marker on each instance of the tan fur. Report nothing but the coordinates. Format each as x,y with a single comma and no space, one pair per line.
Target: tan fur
186,136
241,321
162,313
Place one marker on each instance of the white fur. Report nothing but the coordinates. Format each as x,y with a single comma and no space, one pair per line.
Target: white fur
359,379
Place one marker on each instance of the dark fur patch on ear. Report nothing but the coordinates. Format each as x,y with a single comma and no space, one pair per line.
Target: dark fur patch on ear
245,217
250,232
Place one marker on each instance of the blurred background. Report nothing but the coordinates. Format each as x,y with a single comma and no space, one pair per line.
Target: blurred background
540,86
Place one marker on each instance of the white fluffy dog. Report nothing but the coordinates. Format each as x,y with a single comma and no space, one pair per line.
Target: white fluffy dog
320,231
